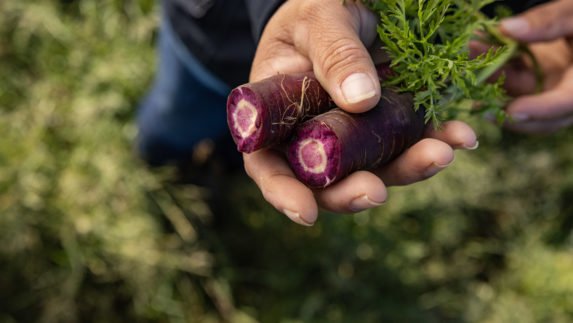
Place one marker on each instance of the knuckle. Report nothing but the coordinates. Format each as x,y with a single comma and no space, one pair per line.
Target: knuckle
310,16
341,55
310,10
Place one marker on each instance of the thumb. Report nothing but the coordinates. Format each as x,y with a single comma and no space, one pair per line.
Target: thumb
334,40
542,23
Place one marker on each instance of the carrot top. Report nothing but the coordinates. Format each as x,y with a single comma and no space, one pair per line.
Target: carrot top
427,41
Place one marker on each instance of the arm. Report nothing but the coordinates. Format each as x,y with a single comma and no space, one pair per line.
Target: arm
331,40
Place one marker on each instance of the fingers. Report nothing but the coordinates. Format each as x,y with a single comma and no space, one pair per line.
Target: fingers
328,37
542,23
543,113
455,133
551,104
359,191
362,190
421,161
548,105
540,127
431,155
341,62
279,186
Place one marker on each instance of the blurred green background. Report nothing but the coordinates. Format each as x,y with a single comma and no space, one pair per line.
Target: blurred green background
88,233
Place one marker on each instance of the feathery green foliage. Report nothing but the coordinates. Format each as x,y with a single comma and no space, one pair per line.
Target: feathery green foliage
428,43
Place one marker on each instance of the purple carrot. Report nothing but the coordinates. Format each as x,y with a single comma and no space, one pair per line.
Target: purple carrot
264,113
328,147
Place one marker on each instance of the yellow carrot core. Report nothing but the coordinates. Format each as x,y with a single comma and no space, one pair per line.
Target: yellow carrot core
312,156
245,116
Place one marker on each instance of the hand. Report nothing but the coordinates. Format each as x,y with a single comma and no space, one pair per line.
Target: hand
329,38
549,30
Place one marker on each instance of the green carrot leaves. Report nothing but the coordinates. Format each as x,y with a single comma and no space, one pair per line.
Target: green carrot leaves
428,43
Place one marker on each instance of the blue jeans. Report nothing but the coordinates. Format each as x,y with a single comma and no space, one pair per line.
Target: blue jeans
185,104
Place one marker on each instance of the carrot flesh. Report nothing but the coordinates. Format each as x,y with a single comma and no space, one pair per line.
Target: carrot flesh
264,113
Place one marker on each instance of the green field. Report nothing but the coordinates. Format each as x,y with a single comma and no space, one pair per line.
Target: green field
89,234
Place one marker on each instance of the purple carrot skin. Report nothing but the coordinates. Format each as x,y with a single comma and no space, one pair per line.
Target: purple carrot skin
264,113
384,71
330,146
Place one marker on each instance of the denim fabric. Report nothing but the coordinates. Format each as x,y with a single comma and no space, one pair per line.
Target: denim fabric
185,104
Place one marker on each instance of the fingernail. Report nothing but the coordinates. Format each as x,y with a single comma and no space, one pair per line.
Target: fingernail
515,26
362,203
474,147
295,216
519,116
435,168
358,87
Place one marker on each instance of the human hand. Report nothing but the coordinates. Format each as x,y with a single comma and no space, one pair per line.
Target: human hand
329,38
549,31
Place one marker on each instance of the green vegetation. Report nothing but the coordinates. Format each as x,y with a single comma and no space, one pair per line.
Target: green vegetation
87,233
427,41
